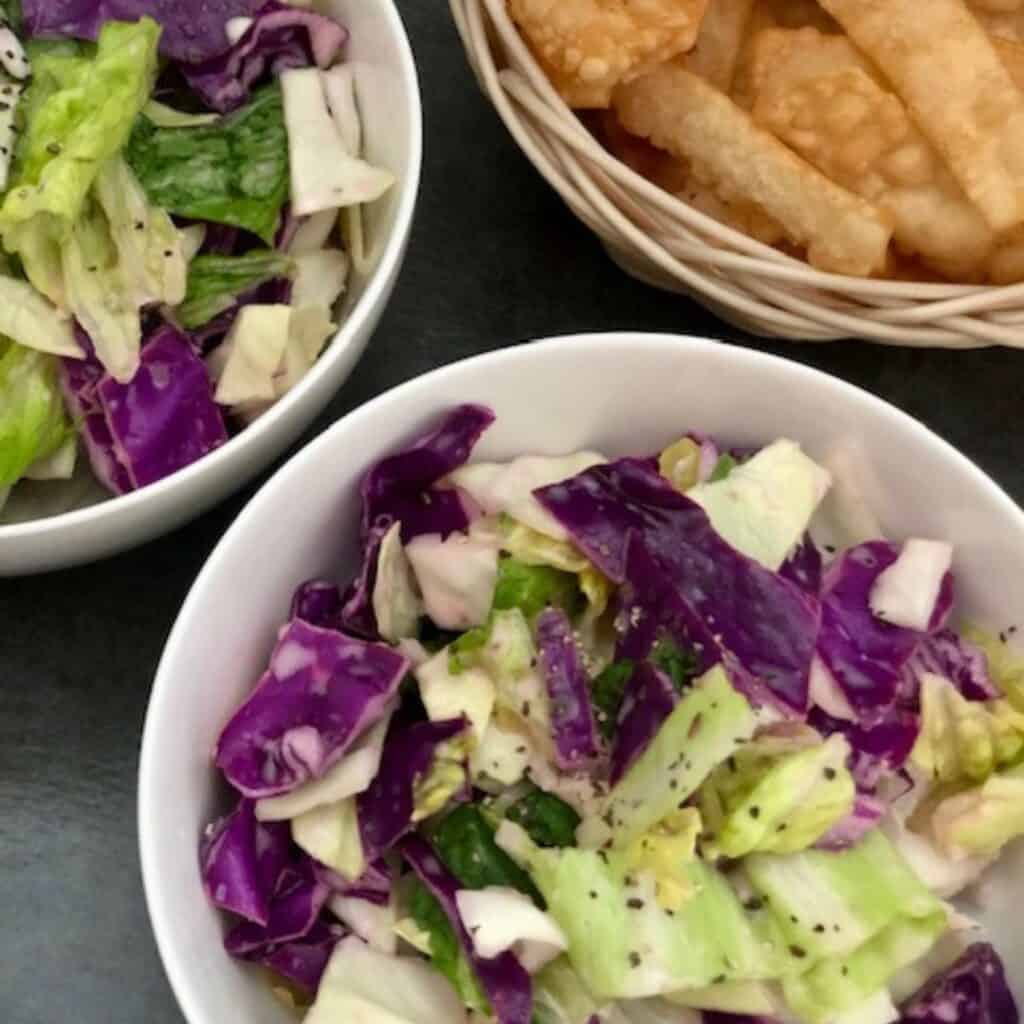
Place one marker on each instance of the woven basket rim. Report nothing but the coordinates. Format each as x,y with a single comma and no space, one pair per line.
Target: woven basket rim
657,237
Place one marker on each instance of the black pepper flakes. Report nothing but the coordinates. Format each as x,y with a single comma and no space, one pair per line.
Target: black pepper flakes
819,928
634,958
794,918
754,905
798,951
593,895
755,812
830,773
720,980
635,904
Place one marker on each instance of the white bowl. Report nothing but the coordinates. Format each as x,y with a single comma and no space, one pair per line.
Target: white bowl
618,393
393,128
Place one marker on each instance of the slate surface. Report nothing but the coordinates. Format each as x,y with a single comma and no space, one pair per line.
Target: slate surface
495,259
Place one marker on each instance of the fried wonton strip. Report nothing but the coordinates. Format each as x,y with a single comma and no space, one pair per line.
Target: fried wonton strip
588,46
718,45
819,95
681,113
946,70
1012,56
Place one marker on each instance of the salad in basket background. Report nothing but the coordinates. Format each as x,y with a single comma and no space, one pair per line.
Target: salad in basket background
631,741
180,214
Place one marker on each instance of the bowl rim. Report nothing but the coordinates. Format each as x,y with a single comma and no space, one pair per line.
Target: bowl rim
361,313
664,343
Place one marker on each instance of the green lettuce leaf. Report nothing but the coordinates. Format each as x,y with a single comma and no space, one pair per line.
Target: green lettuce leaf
606,693
706,727
79,113
215,282
464,841
722,468
233,172
776,794
962,739
532,588
31,321
444,948
679,665
32,420
547,820
560,997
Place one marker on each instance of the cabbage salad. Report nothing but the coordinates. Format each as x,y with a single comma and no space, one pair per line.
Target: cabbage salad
175,182
616,742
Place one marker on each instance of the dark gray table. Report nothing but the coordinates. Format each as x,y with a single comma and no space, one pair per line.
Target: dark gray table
495,260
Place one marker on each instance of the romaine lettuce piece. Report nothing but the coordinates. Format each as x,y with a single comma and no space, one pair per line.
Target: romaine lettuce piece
561,998
81,115
319,279
373,922
962,739
215,282
764,506
233,172
531,547
908,592
532,588
745,998
330,835
776,794
705,728
32,322
664,851
364,984
32,421
547,820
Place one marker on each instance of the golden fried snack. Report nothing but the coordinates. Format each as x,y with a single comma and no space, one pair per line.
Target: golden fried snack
1012,56
798,14
819,95
679,112
588,46
676,177
1002,26
718,46
947,72
998,6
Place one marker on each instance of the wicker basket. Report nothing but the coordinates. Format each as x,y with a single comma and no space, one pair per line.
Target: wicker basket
659,239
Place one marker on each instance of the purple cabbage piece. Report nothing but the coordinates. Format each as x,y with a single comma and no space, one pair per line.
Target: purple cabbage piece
648,700
766,624
241,860
318,603
504,980
949,655
357,614
804,567
373,885
321,692
568,689
294,909
385,809
165,418
193,30
973,990
79,379
867,657
280,38
304,960
867,812
398,487
876,750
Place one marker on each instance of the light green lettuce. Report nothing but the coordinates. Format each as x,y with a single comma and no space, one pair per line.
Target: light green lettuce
79,113
707,726
1005,664
777,794
764,506
215,282
624,945
31,321
32,421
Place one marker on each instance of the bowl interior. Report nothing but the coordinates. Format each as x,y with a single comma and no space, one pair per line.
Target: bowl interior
389,104
621,394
